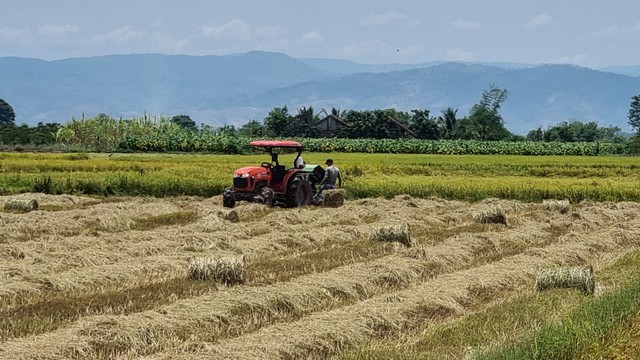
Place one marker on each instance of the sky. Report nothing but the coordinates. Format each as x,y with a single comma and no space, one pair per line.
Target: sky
588,33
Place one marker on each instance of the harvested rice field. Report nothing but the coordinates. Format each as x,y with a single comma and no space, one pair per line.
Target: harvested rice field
403,277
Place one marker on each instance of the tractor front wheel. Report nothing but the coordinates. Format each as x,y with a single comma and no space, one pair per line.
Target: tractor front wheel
298,192
228,198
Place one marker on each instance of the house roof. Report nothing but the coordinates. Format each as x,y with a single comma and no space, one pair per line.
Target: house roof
401,126
336,118
391,120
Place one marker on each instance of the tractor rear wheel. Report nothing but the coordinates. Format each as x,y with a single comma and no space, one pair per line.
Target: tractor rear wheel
298,192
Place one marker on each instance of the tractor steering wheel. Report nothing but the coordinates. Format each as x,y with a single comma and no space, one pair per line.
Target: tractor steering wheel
266,164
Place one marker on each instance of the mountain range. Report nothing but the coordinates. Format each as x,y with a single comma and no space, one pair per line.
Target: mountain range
234,89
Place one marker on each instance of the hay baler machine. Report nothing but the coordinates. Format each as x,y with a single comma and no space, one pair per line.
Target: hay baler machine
273,183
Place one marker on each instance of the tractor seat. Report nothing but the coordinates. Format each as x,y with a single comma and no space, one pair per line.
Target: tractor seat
278,172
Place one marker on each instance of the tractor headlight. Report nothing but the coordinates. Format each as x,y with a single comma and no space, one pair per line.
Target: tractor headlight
243,175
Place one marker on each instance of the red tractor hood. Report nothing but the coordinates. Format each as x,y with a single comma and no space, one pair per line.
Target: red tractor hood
250,171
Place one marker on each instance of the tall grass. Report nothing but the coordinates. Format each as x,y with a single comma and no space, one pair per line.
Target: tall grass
588,324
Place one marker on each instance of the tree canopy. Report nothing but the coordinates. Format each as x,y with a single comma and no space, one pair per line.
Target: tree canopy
7,115
634,113
184,121
573,131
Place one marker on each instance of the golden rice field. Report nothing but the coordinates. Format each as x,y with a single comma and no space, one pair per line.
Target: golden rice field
107,278
453,177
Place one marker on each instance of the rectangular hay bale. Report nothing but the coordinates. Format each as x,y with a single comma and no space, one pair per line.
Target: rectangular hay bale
21,205
227,270
394,233
566,277
334,197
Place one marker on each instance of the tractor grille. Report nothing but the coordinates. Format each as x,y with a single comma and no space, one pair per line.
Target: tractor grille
240,182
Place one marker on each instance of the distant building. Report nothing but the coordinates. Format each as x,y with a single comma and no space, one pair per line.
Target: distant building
330,124
399,130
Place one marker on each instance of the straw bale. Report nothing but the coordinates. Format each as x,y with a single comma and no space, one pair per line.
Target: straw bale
227,270
393,233
566,277
334,197
21,205
494,214
561,206
230,215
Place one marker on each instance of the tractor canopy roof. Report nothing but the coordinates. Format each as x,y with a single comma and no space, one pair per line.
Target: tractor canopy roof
269,144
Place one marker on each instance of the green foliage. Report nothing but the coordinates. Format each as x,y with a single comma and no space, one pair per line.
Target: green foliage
278,122
485,122
589,324
634,113
184,121
253,129
492,99
7,115
102,133
449,124
634,145
42,185
304,123
576,131
41,134
374,124
210,142
424,126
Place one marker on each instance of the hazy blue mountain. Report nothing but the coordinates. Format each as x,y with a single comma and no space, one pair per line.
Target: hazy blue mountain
539,96
131,84
237,88
347,67
623,70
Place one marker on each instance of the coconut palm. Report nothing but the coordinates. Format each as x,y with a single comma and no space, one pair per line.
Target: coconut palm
449,123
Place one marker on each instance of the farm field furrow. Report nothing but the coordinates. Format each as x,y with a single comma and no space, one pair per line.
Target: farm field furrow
316,285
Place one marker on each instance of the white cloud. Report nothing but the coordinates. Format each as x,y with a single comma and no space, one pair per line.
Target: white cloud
234,29
467,25
382,19
459,54
362,48
620,31
538,22
163,42
57,30
312,36
7,33
120,36
271,31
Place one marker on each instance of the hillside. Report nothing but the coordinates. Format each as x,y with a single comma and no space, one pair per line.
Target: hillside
237,88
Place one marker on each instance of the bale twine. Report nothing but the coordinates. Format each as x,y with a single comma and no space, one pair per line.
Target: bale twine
334,197
394,233
568,277
492,215
21,205
561,206
227,270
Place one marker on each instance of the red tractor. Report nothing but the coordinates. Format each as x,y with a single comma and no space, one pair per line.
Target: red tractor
271,182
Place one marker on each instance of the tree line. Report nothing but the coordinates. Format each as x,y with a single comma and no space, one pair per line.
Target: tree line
484,123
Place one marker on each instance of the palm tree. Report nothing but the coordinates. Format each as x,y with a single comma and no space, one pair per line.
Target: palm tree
449,123
306,123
